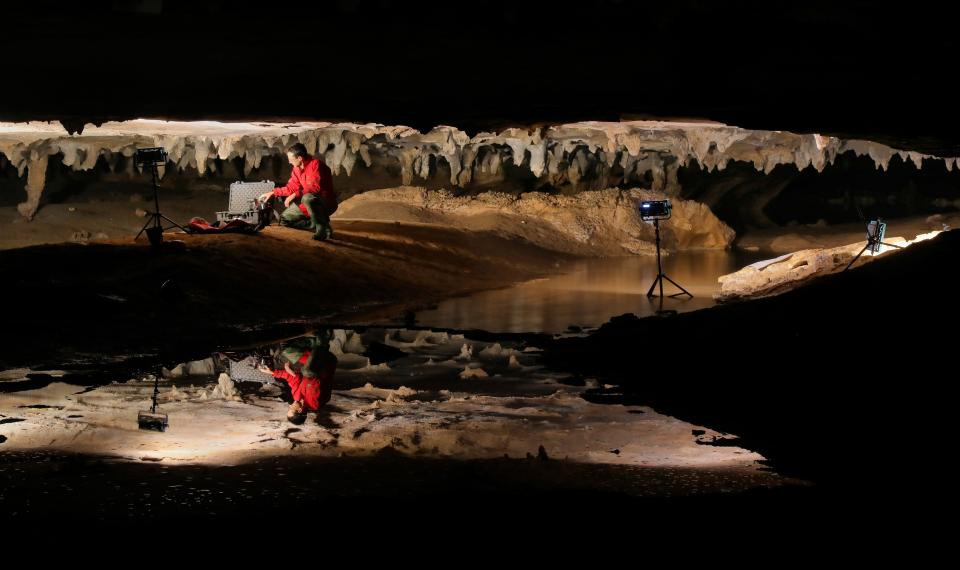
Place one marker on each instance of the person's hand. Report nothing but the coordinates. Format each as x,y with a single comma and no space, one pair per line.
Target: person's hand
265,369
265,196
289,200
286,366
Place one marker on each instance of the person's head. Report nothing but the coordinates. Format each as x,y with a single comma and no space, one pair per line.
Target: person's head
296,154
296,413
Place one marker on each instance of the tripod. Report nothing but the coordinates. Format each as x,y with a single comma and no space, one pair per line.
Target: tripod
155,233
874,240
660,274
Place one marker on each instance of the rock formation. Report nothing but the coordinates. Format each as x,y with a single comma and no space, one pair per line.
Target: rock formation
601,223
570,157
781,274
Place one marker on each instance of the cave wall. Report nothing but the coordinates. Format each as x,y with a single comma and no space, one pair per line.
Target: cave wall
750,178
747,199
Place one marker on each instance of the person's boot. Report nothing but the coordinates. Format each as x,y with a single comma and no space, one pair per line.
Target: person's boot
324,232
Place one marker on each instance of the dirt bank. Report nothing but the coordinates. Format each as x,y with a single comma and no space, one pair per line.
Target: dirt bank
73,299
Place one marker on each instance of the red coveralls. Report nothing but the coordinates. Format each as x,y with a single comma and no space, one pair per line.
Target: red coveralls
314,178
315,391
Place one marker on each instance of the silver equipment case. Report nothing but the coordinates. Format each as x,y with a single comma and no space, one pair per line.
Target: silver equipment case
242,202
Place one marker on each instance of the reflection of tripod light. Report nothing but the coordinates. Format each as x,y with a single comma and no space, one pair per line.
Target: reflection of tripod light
153,420
153,157
656,211
875,232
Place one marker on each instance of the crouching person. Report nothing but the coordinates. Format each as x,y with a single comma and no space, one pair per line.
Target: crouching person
309,198
308,369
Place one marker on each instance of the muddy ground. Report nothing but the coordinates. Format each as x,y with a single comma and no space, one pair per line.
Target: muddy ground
79,298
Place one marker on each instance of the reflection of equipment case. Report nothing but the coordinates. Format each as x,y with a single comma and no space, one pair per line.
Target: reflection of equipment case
242,203
876,231
246,371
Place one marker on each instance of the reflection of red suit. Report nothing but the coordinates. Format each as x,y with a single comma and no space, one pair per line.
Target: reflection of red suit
313,390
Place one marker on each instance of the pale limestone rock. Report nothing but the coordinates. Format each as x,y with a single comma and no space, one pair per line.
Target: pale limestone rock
601,223
583,155
781,274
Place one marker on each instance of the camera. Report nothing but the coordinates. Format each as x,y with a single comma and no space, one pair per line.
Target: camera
655,210
148,156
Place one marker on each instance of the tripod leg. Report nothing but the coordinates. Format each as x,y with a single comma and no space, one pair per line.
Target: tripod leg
150,219
891,245
685,292
857,257
175,224
140,233
654,286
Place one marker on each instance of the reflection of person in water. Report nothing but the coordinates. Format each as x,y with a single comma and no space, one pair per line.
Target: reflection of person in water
308,368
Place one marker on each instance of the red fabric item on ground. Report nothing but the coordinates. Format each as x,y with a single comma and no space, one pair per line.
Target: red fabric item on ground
202,226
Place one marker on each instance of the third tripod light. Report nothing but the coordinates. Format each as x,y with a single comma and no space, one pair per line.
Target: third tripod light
656,210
